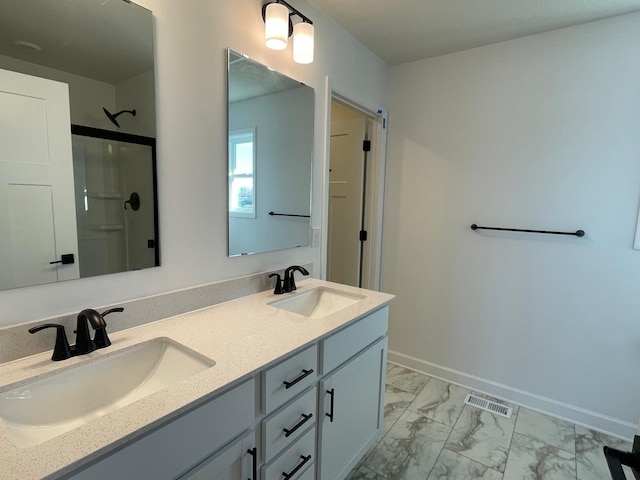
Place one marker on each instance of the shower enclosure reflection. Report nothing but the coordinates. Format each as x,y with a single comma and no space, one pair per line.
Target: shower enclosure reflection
114,178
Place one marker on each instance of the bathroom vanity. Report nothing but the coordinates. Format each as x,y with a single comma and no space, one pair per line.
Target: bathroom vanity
292,386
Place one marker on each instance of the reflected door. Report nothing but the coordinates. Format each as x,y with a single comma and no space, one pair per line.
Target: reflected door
37,214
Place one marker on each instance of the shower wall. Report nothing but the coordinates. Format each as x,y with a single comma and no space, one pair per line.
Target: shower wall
136,167
112,238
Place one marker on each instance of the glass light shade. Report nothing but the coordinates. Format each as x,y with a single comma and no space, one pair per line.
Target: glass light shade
303,43
276,26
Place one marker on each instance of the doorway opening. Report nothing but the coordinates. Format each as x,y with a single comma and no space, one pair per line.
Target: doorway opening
355,186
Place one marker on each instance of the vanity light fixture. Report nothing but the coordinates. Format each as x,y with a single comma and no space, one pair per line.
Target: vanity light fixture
303,42
278,27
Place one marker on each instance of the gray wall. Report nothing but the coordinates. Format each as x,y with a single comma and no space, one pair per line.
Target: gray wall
541,132
191,41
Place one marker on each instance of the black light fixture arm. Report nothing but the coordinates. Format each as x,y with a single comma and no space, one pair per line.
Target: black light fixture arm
292,11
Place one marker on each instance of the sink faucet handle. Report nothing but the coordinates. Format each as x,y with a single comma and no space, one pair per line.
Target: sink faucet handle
61,350
101,339
278,289
112,310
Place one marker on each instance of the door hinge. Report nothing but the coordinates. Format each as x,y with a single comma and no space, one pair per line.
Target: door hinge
366,145
363,235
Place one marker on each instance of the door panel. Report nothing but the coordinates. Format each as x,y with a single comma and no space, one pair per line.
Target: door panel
345,201
36,181
30,237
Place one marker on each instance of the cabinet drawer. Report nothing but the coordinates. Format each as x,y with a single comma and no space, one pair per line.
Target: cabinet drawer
284,381
298,458
338,348
177,446
286,426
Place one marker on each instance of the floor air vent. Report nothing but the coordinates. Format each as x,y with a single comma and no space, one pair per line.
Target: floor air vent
488,405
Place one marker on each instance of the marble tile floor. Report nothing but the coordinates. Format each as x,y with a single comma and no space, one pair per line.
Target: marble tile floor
431,435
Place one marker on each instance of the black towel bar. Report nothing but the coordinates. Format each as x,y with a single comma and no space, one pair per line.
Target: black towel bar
288,215
577,233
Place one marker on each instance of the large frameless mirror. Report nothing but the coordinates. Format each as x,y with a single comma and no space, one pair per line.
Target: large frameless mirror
77,140
270,157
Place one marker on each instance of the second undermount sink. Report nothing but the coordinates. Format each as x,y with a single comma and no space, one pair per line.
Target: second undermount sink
318,302
45,407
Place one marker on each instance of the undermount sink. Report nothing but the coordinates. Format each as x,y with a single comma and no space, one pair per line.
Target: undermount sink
318,302
43,408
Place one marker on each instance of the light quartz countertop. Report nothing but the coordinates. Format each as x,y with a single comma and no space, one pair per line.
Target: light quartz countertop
242,336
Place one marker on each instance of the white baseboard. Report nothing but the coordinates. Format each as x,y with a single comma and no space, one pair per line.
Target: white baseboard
574,414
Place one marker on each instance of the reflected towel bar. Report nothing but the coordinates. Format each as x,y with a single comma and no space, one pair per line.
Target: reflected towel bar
288,215
577,233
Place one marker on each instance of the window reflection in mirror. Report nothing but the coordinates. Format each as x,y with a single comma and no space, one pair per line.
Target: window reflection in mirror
242,173
269,186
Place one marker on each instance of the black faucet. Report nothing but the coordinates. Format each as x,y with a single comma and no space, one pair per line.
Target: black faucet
83,344
289,283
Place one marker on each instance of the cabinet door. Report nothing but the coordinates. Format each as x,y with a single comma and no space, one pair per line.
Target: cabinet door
235,462
179,445
351,407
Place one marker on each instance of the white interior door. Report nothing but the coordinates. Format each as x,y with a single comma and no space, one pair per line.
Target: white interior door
345,201
37,210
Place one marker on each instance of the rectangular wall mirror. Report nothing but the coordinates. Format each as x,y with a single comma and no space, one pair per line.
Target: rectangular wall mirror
67,197
270,158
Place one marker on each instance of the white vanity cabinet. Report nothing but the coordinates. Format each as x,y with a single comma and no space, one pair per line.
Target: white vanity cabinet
351,401
312,415
176,447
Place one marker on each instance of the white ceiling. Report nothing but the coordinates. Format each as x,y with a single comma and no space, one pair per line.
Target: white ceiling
107,40
249,79
401,31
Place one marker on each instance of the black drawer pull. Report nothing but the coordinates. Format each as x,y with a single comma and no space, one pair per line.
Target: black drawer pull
305,373
287,476
288,432
254,468
330,415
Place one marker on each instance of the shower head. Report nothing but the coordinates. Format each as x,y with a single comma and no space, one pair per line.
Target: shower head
113,116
